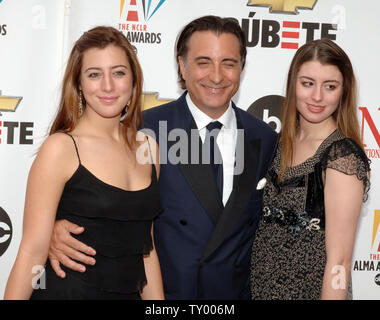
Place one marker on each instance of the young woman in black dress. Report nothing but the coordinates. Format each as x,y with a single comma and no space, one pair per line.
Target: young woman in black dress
88,171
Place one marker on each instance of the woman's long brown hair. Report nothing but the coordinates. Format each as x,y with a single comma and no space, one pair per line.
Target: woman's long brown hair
68,112
326,52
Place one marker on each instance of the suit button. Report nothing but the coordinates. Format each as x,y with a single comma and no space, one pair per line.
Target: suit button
250,223
183,222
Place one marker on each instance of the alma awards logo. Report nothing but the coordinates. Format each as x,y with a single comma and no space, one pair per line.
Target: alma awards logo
133,20
148,9
373,263
284,6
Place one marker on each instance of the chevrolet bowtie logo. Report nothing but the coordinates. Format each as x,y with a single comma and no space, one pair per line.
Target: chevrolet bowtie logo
150,100
9,103
286,6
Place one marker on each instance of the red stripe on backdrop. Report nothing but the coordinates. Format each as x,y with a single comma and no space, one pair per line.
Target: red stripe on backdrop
289,45
291,24
293,35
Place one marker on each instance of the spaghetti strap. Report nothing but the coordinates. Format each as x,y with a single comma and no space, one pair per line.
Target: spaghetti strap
151,159
75,145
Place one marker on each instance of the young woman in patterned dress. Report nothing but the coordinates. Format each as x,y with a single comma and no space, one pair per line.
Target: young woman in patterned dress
316,184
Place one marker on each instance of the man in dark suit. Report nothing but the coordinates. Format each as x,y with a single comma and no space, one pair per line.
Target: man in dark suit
211,176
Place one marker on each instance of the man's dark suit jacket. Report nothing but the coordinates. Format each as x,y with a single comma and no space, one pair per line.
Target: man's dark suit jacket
203,247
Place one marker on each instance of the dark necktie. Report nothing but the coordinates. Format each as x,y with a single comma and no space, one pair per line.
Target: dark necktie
213,129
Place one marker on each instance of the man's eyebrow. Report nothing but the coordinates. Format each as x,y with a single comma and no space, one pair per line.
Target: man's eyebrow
224,60
231,60
202,58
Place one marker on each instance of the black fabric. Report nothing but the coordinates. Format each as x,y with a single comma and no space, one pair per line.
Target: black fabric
348,157
213,129
199,175
117,225
74,288
344,155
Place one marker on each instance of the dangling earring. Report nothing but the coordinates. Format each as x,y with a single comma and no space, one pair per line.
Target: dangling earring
80,103
127,106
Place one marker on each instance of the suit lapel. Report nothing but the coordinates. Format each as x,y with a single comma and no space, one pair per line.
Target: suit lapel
244,186
199,176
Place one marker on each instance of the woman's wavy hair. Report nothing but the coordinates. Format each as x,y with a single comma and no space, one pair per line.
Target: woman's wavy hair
68,112
326,52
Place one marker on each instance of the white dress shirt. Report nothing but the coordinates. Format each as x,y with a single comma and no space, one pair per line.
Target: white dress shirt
226,141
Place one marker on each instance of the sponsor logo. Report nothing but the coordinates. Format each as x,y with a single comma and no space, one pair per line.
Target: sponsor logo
5,231
284,33
268,109
14,129
8,103
284,6
371,137
150,100
134,17
377,279
373,263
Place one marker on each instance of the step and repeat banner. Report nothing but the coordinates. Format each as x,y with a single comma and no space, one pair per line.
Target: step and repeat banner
37,35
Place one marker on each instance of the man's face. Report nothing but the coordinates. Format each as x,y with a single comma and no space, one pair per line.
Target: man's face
211,70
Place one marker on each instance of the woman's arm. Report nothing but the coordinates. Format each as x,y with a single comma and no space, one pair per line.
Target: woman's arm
46,181
343,201
154,290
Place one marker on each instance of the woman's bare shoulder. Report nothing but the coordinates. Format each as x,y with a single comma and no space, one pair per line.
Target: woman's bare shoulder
58,150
